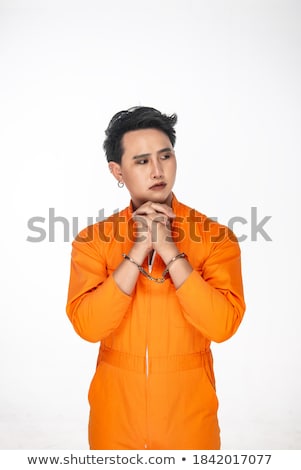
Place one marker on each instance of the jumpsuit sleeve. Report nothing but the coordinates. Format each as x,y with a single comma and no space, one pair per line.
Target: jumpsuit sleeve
213,300
95,304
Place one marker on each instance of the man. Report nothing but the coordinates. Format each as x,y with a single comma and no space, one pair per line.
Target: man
154,284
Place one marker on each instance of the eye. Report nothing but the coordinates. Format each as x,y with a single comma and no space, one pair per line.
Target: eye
142,161
165,156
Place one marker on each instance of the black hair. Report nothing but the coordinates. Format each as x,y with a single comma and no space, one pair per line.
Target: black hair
138,117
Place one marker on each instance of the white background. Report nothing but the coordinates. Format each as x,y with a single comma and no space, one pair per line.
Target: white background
231,71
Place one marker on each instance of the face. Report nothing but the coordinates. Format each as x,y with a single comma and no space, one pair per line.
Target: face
148,166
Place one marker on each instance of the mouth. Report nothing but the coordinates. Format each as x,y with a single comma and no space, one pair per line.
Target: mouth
158,186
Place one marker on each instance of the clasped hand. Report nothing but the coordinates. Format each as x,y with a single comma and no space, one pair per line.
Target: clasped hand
153,228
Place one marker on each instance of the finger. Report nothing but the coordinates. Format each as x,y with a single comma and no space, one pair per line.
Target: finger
146,208
140,219
159,219
154,207
164,209
148,222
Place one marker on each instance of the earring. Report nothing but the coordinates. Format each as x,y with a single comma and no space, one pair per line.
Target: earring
120,184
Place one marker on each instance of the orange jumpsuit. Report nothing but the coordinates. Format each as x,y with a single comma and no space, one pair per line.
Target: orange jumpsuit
154,385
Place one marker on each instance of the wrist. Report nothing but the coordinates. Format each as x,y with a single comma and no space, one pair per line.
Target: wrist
138,254
168,253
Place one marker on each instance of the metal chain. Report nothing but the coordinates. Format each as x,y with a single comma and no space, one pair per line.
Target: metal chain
159,280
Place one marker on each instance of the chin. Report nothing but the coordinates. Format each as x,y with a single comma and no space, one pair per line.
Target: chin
161,198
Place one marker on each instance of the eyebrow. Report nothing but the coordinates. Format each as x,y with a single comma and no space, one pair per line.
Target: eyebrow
146,155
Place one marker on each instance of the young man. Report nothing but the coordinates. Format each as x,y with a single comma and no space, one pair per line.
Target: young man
154,284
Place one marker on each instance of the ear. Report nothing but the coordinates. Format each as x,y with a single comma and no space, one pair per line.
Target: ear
115,169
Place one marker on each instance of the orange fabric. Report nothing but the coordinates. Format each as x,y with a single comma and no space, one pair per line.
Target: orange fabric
154,384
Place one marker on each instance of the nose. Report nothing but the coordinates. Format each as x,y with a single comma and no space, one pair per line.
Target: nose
156,169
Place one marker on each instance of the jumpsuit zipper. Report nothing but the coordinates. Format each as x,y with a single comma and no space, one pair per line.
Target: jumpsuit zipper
151,260
146,444
146,378
146,362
